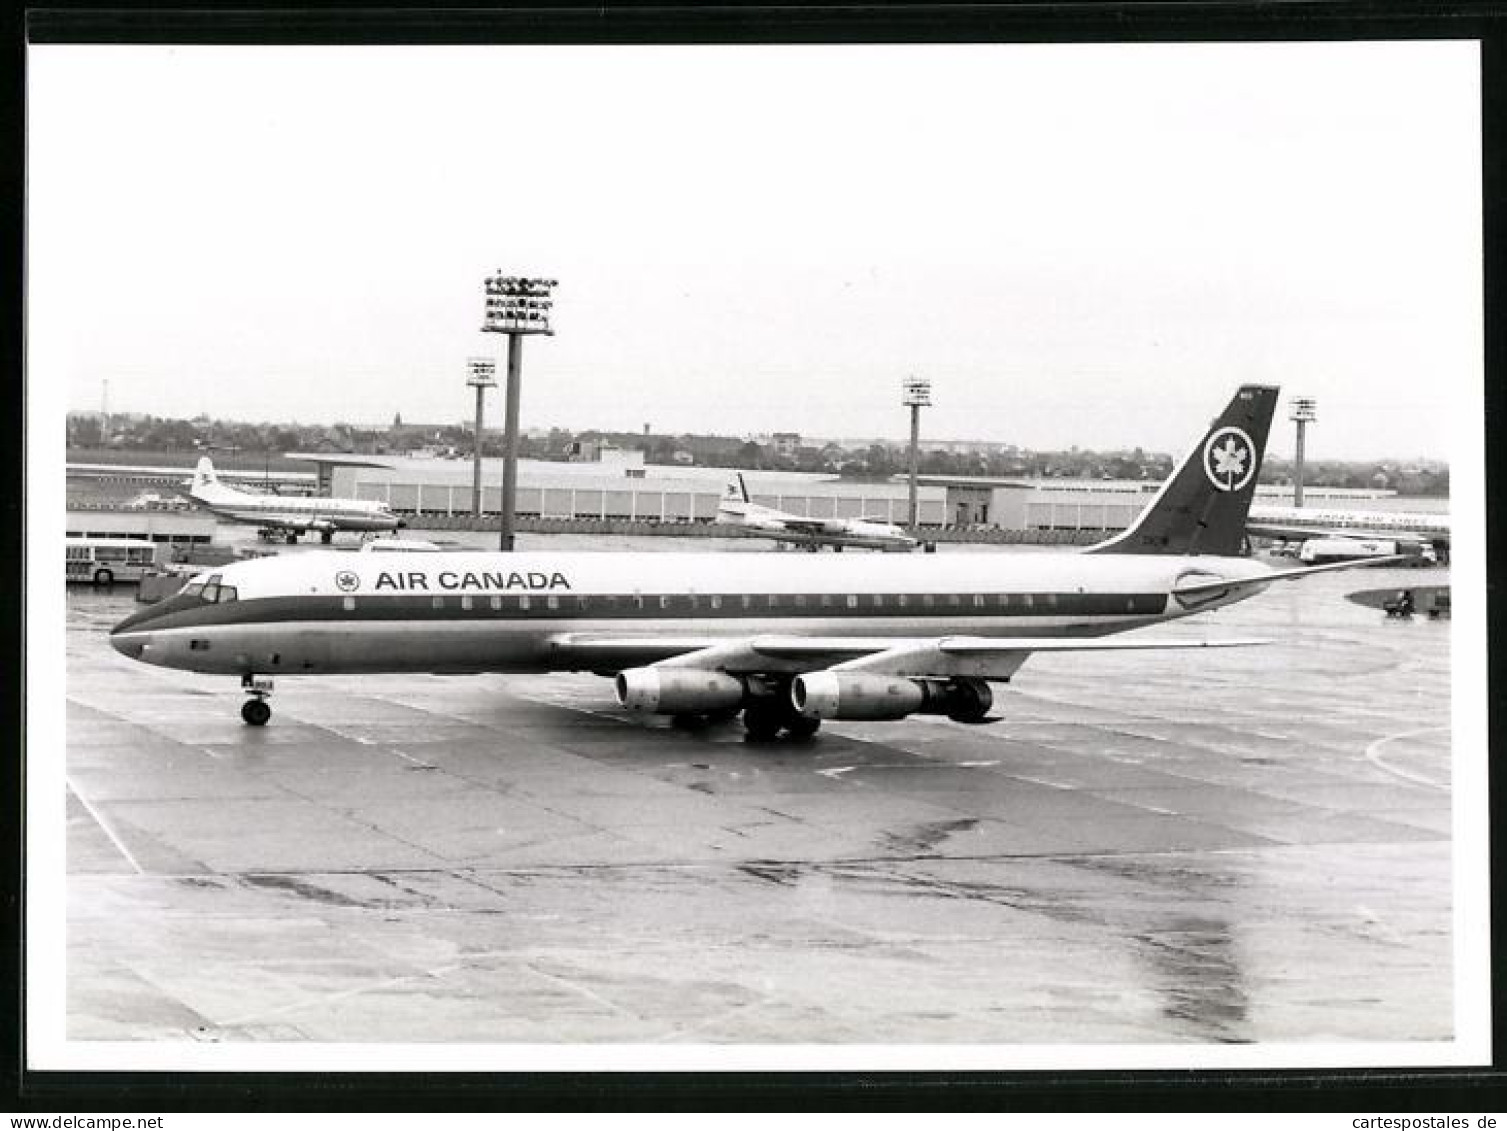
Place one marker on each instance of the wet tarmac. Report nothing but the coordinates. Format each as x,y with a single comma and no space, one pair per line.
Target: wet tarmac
1243,845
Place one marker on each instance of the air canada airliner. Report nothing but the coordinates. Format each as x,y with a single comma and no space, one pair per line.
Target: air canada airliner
290,515
786,640
742,514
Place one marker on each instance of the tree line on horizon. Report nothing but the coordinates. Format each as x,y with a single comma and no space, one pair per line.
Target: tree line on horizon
257,444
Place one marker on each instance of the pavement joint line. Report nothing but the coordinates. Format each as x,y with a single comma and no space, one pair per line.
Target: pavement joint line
320,1000
583,991
105,827
1373,755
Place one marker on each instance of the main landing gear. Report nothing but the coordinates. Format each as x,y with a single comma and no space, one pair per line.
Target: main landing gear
256,710
766,716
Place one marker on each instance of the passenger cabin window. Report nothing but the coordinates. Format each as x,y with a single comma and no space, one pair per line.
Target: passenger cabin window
497,603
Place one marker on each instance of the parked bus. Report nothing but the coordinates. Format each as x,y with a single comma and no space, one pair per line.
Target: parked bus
104,561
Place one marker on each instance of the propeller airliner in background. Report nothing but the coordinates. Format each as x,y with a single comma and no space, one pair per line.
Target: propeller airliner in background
788,640
744,516
289,515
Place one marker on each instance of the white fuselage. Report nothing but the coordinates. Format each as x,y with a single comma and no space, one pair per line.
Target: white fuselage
755,521
1291,522
278,512
474,612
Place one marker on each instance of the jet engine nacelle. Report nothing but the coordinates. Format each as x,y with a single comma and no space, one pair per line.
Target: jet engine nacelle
677,691
861,695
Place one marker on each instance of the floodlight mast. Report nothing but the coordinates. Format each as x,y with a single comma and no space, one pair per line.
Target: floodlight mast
917,395
516,305
482,377
1304,412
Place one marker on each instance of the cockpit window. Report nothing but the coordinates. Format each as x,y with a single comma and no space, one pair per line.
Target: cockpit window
227,593
193,588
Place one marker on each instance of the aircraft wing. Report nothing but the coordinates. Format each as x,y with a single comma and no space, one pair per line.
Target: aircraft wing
302,522
813,525
995,658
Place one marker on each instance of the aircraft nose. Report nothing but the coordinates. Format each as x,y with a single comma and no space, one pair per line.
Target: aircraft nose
132,636
129,644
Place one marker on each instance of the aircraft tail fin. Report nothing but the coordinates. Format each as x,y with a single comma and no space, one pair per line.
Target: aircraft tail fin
1202,507
737,490
205,482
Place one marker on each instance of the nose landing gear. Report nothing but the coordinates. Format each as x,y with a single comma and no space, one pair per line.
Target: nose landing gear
256,710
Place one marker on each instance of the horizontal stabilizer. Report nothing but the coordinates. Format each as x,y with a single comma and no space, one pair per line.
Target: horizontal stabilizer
1223,584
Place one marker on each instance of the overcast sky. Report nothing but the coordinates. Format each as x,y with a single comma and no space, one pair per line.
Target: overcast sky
1077,244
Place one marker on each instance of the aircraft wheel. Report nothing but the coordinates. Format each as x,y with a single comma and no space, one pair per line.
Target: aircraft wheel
801,726
104,578
292,539
255,712
326,535
974,699
763,720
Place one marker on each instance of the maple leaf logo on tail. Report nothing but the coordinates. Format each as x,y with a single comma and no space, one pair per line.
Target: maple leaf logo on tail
1227,459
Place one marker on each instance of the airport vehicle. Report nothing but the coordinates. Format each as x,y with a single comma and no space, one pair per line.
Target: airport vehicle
400,545
104,561
788,641
1413,527
151,501
1318,551
289,516
747,517
1401,604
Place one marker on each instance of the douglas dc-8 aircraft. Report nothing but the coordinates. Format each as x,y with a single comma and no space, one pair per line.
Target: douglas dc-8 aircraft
787,640
291,515
745,516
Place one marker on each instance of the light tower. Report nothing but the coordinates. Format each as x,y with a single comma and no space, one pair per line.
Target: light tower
1304,411
516,306
917,395
482,376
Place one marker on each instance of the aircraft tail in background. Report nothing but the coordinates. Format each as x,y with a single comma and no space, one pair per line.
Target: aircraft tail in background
206,485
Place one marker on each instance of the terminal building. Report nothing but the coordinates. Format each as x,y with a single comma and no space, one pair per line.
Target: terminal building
620,486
